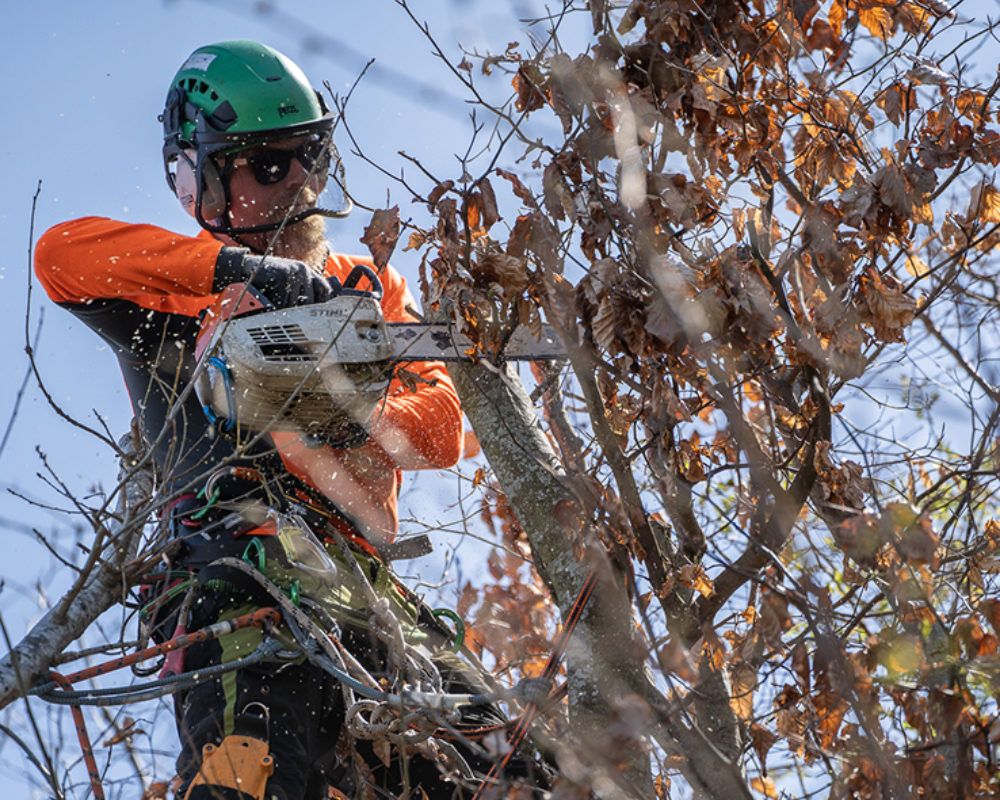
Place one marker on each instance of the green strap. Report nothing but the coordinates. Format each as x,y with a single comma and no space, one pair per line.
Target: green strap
208,505
167,595
255,548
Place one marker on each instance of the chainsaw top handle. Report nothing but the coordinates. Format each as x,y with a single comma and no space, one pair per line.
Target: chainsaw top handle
350,284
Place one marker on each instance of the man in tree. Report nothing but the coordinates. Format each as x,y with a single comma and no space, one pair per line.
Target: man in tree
247,146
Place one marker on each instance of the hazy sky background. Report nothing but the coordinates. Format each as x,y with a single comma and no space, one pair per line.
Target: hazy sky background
83,84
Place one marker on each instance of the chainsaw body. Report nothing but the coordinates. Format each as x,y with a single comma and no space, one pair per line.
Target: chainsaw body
321,370
316,370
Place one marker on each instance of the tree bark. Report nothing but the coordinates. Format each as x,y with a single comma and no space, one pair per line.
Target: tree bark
531,475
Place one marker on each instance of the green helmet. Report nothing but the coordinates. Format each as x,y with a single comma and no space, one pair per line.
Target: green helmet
225,98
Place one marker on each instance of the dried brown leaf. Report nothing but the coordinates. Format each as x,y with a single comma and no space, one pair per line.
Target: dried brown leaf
381,235
762,740
470,445
528,84
984,204
157,790
889,309
558,197
437,193
488,204
124,732
877,20
409,379
383,750
415,241
520,190
495,563
800,665
911,532
695,577
893,189
743,680
765,786
506,271
830,711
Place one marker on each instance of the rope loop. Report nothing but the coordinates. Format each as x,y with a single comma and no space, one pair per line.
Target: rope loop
366,728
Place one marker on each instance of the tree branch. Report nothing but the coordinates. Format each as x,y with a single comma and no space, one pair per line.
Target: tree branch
103,588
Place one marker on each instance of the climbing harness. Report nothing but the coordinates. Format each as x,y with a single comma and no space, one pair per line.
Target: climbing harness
306,621
59,687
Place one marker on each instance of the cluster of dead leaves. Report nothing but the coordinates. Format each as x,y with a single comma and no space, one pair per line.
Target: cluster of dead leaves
899,535
511,616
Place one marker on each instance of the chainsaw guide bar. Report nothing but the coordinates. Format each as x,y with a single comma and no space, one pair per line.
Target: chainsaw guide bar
427,341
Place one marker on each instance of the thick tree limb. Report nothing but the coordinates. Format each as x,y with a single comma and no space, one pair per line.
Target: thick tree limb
604,664
533,479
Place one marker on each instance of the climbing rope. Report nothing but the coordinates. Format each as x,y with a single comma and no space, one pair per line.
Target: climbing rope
81,734
263,617
151,690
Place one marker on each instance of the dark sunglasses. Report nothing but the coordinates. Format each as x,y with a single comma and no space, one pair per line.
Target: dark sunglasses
270,165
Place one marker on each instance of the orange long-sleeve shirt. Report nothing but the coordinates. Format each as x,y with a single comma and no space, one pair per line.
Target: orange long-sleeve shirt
141,288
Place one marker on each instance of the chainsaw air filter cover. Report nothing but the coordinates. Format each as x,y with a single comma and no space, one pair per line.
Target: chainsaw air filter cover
318,370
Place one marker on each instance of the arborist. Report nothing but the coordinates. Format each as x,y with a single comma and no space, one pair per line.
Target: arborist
247,149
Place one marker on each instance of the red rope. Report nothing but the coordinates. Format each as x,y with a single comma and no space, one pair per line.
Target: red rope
270,616
84,739
258,619
551,667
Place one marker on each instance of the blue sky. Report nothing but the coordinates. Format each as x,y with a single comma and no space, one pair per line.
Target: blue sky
83,85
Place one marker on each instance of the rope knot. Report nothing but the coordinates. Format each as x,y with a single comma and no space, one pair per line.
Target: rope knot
535,690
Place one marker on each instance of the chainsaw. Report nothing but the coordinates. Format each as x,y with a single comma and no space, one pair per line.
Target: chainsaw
323,369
